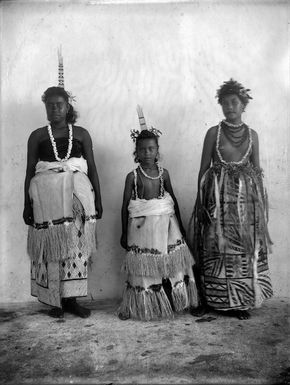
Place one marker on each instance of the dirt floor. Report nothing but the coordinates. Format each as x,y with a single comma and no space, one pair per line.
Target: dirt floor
214,349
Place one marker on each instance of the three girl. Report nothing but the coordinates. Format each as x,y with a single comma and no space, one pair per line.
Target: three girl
228,227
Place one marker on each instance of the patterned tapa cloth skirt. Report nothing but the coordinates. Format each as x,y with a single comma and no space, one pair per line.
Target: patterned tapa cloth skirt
231,242
158,264
54,280
63,237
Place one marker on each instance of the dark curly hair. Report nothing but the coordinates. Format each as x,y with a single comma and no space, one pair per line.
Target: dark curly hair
145,134
233,87
72,115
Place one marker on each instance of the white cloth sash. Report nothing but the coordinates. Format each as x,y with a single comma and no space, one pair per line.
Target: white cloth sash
156,206
72,164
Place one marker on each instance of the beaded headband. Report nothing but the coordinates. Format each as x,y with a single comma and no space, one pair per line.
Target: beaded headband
233,87
135,133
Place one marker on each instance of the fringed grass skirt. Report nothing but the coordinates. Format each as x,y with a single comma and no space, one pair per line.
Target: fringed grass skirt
159,270
53,280
232,241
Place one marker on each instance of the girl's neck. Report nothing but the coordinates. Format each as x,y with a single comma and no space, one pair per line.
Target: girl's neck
148,166
58,125
236,121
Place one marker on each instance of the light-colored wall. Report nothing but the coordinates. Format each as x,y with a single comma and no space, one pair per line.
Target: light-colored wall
170,58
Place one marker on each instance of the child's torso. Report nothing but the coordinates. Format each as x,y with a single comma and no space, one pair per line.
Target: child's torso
145,188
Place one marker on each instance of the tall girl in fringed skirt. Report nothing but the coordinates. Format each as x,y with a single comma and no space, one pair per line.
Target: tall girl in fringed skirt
62,204
158,262
228,227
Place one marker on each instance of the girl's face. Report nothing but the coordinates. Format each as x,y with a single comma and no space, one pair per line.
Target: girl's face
56,109
147,150
232,107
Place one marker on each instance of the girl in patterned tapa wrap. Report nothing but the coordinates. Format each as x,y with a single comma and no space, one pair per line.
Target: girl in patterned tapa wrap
228,228
62,203
158,262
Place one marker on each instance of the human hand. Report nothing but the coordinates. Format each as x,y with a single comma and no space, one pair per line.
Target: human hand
99,210
28,215
183,232
123,241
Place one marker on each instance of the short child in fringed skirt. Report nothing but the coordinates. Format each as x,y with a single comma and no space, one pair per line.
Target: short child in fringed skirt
158,262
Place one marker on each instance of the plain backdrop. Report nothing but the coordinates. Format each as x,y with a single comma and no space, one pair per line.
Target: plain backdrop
168,57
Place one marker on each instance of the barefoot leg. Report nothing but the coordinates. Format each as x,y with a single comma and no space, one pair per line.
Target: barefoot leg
242,314
56,312
70,305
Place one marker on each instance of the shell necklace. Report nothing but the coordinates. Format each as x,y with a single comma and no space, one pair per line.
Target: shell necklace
232,124
70,141
160,172
236,136
243,158
160,176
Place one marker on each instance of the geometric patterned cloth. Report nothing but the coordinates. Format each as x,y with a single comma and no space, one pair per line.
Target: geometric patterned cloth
52,281
231,241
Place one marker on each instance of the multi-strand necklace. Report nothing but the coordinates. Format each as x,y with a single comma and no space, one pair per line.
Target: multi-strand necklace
235,133
249,131
70,143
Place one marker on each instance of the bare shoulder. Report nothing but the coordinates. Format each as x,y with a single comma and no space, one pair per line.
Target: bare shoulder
212,132
38,134
81,133
130,177
254,134
165,173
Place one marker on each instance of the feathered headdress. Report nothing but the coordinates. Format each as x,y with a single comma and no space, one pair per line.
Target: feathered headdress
60,68
233,87
143,126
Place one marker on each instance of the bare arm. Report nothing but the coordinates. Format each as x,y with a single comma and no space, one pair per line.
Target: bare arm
92,171
206,157
255,156
168,188
129,185
32,158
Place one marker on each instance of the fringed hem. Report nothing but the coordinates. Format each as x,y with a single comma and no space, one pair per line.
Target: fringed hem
145,305
184,295
193,299
159,265
57,242
153,303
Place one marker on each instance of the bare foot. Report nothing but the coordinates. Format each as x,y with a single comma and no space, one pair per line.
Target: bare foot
199,311
123,316
242,314
56,312
71,306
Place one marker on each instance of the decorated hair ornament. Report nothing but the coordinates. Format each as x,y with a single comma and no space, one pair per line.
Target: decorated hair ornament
60,68
233,87
69,95
142,122
143,126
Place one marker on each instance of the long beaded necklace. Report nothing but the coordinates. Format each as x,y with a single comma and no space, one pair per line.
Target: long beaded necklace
70,142
243,158
236,134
